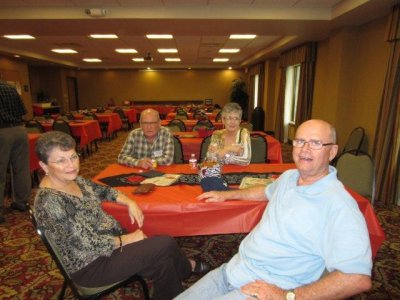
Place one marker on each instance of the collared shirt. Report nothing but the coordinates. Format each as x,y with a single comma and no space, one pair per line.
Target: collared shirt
12,108
303,230
136,147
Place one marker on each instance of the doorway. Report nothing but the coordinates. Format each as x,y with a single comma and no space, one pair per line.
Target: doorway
72,86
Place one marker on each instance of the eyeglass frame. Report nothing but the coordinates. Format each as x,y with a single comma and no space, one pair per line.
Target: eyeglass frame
62,162
311,144
230,118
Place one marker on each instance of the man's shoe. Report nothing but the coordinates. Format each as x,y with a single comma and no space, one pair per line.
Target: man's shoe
19,206
201,267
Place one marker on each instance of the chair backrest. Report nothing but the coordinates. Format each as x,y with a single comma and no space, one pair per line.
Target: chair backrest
181,114
206,123
218,117
79,291
259,149
62,125
178,123
174,128
178,151
355,140
247,125
356,170
100,109
204,147
33,126
70,116
120,112
257,118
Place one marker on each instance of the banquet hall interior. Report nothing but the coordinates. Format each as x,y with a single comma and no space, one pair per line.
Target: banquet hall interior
336,60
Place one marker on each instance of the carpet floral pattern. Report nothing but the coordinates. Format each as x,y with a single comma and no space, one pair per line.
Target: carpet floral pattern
28,272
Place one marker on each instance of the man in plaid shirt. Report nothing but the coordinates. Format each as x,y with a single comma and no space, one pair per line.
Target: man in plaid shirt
147,143
14,148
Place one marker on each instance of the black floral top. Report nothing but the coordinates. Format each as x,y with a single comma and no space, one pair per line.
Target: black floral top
79,227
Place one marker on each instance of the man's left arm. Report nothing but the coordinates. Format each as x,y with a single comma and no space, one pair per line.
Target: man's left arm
335,285
167,145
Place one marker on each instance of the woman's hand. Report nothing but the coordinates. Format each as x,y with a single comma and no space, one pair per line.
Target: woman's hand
135,213
262,290
133,237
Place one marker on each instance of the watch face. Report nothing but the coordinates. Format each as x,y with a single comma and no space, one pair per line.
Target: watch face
290,295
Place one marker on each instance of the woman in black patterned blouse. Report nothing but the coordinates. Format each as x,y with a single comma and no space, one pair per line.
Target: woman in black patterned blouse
93,246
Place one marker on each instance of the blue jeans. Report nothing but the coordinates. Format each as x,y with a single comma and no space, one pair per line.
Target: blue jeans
214,286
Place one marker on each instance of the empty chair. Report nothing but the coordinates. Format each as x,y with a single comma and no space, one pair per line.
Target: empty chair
204,147
181,114
81,292
218,117
179,123
103,125
124,119
70,116
178,151
259,148
199,114
355,140
356,170
34,126
206,123
62,125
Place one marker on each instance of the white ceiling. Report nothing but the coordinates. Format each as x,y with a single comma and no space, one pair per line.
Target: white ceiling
200,28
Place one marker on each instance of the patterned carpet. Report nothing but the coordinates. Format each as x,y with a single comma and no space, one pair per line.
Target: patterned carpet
27,271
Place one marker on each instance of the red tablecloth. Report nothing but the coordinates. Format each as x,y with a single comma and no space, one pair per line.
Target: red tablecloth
130,113
87,130
113,120
172,115
33,159
175,211
191,144
191,123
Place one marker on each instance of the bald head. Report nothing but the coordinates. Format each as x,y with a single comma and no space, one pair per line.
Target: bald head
324,127
152,113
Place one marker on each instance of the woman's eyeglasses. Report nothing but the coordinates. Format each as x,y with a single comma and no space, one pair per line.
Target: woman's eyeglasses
63,162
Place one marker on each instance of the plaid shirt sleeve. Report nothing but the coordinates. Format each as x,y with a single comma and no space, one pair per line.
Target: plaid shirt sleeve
129,153
166,144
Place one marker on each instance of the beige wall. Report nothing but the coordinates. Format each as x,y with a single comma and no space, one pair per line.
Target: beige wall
349,81
16,71
97,87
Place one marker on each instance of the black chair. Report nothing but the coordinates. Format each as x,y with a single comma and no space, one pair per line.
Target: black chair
257,119
70,116
124,119
218,117
355,140
204,147
205,123
178,123
259,149
81,292
181,114
63,126
34,126
103,125
178,151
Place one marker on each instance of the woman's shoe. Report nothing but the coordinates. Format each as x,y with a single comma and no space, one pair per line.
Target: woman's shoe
201,267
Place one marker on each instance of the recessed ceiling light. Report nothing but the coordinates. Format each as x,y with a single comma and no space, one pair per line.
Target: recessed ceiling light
138,59
64,51
242,36
220,59
159,36
172,59
104,36
126,50
94,60
19,36
172,50
16,56
229,50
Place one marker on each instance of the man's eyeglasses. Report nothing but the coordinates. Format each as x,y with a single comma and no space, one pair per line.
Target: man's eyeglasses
63,162
313,144
149,123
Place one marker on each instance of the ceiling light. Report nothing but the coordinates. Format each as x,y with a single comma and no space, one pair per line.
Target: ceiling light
126,50
229,50
64,51
16,56
138,59
172,50
242,36
104,36
92,60
159,36
220,59
172,59
229,68
19,36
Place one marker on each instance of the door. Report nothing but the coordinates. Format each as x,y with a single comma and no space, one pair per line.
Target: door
73,100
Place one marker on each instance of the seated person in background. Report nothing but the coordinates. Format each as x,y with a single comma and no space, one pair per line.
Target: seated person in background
147,143
310,225
94,249
231,145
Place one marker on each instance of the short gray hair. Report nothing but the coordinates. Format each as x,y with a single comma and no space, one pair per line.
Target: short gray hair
232,107
51,140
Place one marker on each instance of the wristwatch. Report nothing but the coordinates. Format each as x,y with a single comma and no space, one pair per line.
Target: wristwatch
290,295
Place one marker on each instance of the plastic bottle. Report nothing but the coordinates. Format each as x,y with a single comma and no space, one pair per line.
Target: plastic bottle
193,161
